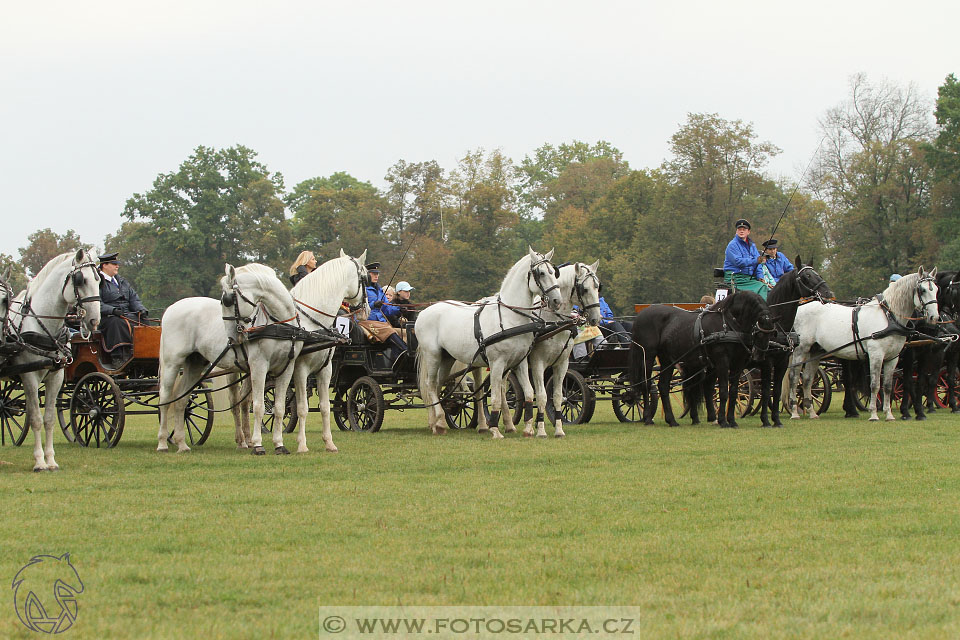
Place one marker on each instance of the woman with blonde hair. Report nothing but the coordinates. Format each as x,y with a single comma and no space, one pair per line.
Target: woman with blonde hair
304,264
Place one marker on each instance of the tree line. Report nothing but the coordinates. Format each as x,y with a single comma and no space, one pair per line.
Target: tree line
882,195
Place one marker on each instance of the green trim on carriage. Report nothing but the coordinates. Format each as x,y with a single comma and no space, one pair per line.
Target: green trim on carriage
746,283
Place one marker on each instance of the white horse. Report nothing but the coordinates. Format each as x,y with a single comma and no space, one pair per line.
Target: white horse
447,333
37,323
828,329
318,297
6,296
198,331
580,286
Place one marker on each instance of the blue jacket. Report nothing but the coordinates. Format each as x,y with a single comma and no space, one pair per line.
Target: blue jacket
376,294
605,311
779,266
741,257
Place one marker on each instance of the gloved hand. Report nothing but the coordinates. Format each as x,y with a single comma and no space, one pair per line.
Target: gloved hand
117,311
378,304
144,314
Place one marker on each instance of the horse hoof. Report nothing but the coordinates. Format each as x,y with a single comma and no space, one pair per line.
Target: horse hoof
242,445
527,434
258,451
39,469
509,429
498,436
305,450
332,449
559,435
957,410
281,451
53,468
906,418
891,419
163,450
921,417
483,430
852,415
543,435
183,450
874,419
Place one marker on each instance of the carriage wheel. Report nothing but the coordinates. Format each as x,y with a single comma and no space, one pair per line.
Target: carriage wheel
579,401
290,416
943,391
338,407
365,405
13,412
97,412
198,416
459,406
745,393
628,404
821,391
63,411
514,398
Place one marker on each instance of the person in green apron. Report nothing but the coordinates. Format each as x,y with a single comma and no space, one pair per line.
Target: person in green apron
741,260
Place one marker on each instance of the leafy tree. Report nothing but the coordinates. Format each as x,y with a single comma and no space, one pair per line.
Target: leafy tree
943,156
873,176
45,244
219,206
415,195
536,174
16,276
136,242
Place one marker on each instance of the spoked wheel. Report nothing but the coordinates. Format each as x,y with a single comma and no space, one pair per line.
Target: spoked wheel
579,401
13,412
459,407
338,407
627,404
289,416
943,390
365,405
514,398
198,417
97,412
63,411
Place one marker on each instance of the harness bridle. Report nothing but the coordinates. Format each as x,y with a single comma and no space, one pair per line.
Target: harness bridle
920,305
579,286
536,276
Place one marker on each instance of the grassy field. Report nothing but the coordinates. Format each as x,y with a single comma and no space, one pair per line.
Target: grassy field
821,529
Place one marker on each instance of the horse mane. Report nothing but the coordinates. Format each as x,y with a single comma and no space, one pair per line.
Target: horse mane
786,288
899,295
515,267
326,280
568,275
745,305
49,268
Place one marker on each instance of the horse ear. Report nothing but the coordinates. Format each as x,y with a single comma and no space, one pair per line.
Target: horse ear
549,255
798,261
921,271
77,259
363,257
342,254
230,272
531,253
933,274
594,266
956,277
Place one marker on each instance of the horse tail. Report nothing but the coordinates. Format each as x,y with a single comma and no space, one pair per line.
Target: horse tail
640,355
693,387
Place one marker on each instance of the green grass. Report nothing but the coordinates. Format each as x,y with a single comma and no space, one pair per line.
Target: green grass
822,529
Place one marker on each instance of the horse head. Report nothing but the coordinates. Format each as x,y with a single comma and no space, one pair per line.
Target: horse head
542,279
248,289
586,287
925,295
948,296
751,316
810,283
81,290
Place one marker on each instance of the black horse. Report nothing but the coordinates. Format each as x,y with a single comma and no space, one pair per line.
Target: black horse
718,340
793,288
948,301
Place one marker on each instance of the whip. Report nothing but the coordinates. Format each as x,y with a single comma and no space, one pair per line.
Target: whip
790,199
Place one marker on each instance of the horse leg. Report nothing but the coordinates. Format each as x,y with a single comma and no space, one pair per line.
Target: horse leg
496,389
779,369
848,379
31,394
523,373
52,384
258,383
559,373
708,382
478,396
281,385
874,367
907,364
192,370
809,372
799,355
888,369
723,390
323,391
169,379
648,388
234,391
765,395
663,383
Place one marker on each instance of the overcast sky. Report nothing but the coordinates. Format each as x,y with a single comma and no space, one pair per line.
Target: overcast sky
99,97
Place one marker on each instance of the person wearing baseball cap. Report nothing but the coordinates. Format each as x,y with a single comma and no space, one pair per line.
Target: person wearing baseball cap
404,304
741,260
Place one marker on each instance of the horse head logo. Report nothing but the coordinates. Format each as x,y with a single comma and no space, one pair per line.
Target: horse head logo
45,593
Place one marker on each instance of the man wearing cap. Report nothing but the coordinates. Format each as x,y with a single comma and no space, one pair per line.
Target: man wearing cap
406,312
775,265
119,304
741,260
380,307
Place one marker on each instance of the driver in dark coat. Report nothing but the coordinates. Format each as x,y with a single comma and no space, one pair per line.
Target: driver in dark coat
119,305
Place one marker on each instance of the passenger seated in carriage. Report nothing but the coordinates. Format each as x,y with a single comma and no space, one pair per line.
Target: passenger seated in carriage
119,305
303,265
775,265
741,260
377,327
